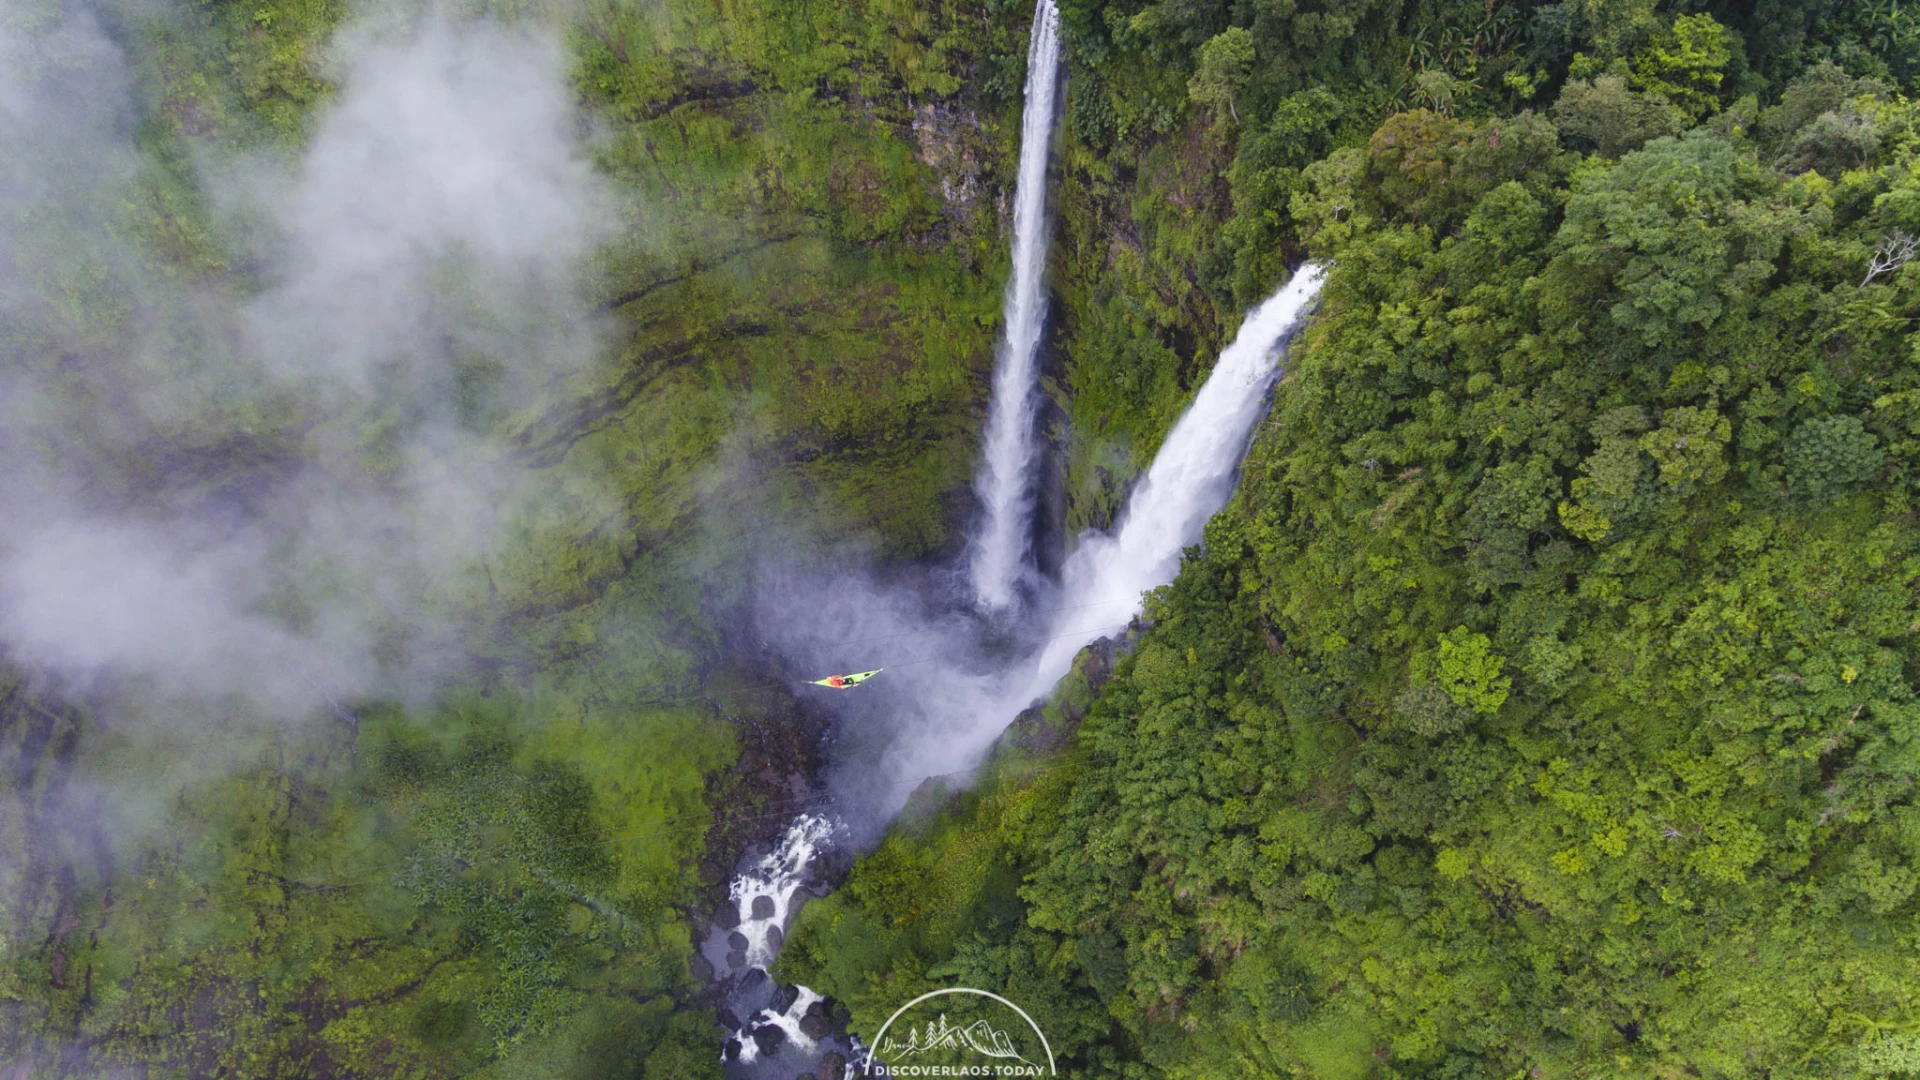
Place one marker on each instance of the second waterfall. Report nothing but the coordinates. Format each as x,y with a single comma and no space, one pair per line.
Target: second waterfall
1001,553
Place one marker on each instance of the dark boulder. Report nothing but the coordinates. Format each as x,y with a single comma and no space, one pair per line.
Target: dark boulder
783,998
737,941
833,1067
726,917
775,937
768,1038
763,907
737,958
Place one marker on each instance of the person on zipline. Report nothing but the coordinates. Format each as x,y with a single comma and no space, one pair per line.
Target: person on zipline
842,682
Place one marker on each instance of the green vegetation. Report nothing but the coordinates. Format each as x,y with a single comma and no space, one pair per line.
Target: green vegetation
479,889
1542,706
1190,126
803,291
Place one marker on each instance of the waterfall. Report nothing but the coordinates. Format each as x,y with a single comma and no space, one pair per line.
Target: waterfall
1189,481
947,715
952,714
1002,548
771,1023
764,894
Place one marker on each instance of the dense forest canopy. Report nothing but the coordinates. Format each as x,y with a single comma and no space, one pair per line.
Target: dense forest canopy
1542,704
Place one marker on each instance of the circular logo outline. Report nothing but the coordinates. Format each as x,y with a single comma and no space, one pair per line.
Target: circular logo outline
1052,1070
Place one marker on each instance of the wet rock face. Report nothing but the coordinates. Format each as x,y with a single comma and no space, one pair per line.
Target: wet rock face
775,938
768,1038
763,907
737,958
951,143
780,741
833,1067
815,1025
1032,732
737,941
784,997
752,979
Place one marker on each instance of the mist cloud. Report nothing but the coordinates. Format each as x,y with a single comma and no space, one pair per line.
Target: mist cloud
284,494
441,211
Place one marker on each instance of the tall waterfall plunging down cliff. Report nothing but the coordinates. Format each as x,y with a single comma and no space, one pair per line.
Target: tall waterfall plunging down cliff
1002,548
1189,481
948,716
943,719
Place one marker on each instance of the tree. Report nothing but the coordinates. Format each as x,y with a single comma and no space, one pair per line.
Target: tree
1430,711
1823,88
1470,671
1895,251
1225,62
1611,119
1669,227
1613,475
1687,445
1437,90
1685,63
1829,454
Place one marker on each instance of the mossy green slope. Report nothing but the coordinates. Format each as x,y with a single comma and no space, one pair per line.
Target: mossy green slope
803,291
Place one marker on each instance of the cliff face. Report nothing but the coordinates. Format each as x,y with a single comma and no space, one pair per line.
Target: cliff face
1136,328
790,299
788,307
954,145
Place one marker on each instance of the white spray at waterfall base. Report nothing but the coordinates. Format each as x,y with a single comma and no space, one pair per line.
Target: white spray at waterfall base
1001,554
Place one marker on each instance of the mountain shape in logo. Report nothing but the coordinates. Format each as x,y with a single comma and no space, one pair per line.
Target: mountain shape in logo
979,1036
